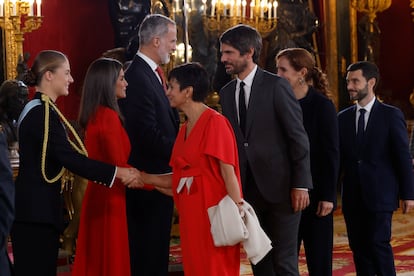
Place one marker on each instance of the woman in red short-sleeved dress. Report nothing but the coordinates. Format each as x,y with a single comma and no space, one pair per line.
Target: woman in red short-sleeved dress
205,169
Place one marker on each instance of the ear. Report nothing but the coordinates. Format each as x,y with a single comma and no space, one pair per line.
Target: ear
303,72
372,82
189,92
251,52
48,75
156,42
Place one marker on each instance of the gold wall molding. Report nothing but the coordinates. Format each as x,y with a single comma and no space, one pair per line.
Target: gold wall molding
353,22
412,6
331,38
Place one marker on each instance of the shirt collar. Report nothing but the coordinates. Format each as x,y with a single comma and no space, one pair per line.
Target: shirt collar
248,80
148,60
367,107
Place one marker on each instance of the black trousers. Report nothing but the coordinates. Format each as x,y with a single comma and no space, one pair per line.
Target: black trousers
369,235
35,249
149,216
316,233
281,225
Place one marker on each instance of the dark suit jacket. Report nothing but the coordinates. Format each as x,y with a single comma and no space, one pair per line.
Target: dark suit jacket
321,125
151,123
36,200
152,127
6,203
276,146
383,172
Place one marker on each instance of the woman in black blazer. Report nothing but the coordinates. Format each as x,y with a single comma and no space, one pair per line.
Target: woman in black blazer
46,151
310,86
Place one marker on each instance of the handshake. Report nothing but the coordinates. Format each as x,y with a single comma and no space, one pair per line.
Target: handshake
135,179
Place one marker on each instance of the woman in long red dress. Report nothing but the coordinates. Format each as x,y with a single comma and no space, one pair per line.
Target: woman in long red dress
102,245
205,169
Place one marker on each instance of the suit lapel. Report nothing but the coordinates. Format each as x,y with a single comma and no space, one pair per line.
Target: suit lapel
254,94
159,89
369,133
228,101
371,121
150,74
353,123
231,99
352,129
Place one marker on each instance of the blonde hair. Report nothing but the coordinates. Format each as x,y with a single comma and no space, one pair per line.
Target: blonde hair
47,60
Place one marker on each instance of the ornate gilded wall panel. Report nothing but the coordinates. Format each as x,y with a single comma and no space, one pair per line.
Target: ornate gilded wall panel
332,46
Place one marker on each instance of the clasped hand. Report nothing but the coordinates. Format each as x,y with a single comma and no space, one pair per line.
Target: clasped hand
130,177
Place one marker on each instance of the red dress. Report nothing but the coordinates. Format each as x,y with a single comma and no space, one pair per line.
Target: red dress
211,139
102,247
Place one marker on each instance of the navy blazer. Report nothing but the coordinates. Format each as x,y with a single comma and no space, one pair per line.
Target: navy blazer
151,123
36,200
6,203
276,146
382,173
321,125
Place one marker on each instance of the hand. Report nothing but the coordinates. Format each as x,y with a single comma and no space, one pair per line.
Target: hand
130,177
324,208
407,205
239,205
300,199
137,181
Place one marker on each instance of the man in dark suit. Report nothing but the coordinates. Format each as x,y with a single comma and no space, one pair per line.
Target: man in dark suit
377,171
273,147
6,204
152,126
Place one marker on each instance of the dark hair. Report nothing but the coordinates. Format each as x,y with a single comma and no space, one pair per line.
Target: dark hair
99,89
13,97
243,38
301,58
192,74
47,60
153,25
369,70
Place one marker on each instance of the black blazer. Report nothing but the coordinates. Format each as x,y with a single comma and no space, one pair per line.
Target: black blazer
6,203
383,172
36,200
321,125
151,123
276,146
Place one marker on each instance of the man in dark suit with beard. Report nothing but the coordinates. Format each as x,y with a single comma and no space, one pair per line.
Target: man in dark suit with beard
377,171
152,126
273,147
